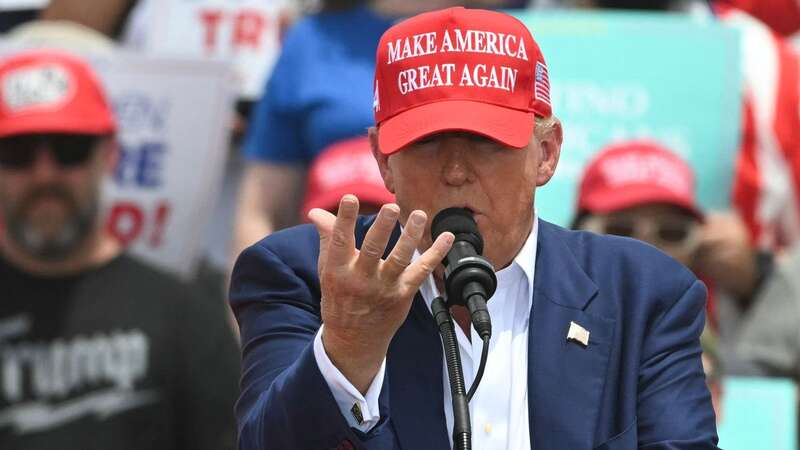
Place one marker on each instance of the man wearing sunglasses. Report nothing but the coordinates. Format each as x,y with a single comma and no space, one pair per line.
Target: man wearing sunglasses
97,350
642,190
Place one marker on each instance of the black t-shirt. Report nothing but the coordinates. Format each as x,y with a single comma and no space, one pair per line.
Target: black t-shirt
119,357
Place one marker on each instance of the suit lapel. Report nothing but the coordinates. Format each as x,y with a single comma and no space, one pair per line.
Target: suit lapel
565,379
414,368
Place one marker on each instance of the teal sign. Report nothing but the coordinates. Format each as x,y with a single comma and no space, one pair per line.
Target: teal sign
758,413
665,77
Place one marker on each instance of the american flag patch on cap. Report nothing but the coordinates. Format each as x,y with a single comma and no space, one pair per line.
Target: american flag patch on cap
541,84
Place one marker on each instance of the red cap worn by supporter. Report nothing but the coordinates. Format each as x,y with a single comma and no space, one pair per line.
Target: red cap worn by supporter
636,173
783,16
346,167
46,91
459,69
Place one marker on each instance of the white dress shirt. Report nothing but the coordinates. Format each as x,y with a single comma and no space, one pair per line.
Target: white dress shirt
499,408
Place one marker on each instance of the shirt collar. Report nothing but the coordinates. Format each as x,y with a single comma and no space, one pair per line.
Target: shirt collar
526,258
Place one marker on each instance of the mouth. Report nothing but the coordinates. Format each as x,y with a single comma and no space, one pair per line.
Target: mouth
45,204
474,213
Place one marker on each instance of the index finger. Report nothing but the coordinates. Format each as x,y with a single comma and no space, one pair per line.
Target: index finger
428,261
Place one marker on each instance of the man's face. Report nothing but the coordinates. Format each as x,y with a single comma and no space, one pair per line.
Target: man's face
495,182
49,191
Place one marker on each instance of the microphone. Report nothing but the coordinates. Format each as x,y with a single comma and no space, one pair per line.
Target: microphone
469,277
469,280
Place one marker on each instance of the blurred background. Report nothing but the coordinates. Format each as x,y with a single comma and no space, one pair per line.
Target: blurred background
236,117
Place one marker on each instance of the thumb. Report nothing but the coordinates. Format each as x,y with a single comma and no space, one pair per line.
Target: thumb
323,220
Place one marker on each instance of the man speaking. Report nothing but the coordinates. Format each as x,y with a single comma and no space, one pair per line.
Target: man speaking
595,339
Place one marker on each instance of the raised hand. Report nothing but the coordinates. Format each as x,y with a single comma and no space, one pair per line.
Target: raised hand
365,298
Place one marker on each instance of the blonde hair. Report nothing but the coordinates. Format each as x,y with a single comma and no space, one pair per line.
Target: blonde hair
544,125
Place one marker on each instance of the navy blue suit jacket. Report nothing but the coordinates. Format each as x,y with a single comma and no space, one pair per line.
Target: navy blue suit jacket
638,384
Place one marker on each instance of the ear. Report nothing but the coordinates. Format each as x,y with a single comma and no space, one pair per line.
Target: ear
382,160
550,151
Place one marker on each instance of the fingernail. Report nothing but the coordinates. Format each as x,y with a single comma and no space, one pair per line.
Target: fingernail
418,219
391,209
349,201
449,238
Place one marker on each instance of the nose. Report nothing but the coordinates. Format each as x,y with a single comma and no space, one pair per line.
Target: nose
44,167
456,167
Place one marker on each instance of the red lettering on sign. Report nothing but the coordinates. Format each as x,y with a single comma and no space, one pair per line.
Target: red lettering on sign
128,222
210,19
125,222
248,28
162,212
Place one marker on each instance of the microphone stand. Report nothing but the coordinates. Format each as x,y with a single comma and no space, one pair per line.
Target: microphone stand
462,434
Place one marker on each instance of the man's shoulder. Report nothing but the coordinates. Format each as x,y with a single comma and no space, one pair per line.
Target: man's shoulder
291,233
630,282
303,238
296,247
584,243
299,238
621,263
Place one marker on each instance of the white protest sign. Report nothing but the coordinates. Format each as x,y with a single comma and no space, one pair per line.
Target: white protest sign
246,32
174,118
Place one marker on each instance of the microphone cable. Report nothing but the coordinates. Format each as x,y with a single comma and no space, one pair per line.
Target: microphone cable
481,367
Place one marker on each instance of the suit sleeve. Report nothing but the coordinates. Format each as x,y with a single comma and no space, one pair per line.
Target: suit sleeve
285,403
674,407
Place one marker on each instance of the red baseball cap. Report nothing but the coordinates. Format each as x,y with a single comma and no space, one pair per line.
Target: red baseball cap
48,91
635,173
346,167
459,69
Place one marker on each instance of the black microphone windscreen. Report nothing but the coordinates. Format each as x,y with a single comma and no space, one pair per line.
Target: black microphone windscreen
460,222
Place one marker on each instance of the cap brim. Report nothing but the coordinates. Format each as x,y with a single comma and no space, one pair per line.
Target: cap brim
510,127
637,195
53,124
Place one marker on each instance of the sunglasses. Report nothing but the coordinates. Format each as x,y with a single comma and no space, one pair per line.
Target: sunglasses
67,150
668,231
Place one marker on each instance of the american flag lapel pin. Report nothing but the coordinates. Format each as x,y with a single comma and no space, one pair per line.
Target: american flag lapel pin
578,334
